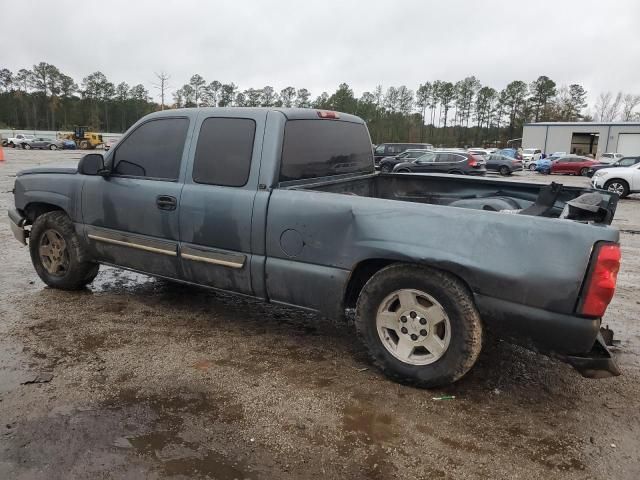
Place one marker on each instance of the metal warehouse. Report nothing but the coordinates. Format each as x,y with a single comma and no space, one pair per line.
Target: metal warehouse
583,138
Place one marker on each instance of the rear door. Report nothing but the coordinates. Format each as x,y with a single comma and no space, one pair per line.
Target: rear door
217,203
131,217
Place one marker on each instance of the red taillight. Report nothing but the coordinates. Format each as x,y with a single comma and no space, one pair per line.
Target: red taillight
601,284
473,161
328,114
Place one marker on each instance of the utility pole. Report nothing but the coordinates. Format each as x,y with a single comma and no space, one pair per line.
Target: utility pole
162,85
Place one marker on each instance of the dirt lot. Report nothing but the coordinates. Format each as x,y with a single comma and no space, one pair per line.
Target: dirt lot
155,380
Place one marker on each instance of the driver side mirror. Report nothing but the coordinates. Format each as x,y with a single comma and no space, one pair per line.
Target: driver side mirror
93,164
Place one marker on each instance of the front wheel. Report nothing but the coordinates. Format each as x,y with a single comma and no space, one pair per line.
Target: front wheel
53,147
403,170
57,253
420,326
504,171
26,146
385,169
617,186
532,167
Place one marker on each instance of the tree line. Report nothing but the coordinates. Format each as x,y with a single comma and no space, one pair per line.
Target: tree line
439,112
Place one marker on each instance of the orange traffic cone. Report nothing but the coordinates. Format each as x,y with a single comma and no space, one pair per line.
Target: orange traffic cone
1,155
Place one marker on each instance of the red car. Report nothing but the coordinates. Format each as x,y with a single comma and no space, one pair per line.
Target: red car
572,164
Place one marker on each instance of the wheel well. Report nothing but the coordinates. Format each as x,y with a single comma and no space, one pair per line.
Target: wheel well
35,209
368,268
621,180
359,276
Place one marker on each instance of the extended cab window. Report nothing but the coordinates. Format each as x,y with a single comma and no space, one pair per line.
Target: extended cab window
320,148
153,150
223,154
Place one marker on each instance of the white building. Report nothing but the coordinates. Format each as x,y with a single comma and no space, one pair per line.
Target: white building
583,138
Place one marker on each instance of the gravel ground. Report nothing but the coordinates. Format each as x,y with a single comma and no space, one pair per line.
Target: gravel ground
155,380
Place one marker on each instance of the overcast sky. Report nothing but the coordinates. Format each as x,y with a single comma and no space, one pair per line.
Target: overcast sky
319,44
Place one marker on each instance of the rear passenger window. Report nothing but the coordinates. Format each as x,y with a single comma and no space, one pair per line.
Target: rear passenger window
223,153
153,150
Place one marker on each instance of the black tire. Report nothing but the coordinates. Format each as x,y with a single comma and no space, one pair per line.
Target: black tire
12,145
385,169
532,167
466,328
621,186
504,171
403,170
26,146
53,147
80,270
584,171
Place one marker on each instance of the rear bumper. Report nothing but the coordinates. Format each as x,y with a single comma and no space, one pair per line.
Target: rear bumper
575,340
17,223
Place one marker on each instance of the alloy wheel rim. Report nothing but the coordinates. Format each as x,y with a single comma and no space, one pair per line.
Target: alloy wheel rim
53,253
413,327
616,188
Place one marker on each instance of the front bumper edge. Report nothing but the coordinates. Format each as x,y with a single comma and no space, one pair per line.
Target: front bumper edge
17,224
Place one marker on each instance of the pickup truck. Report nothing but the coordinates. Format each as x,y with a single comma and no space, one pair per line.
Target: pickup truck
18,141
284,205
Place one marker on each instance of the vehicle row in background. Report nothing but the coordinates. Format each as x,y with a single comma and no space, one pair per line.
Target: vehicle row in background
383,150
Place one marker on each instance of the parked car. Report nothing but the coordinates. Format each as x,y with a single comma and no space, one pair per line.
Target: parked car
18,140
623,162
510,152
43,143
483,152
503,164
461,163
621,180
572,164
284,205
392,149
387,163
69,145
534,166
530,155
610,157
543,165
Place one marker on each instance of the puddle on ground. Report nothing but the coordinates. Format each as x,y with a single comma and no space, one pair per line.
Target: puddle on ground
211,465
368,423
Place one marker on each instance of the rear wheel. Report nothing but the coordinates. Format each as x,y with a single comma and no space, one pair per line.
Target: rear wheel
26,146
53,147
420,326
532,167
584,171
504,171
617,186
385,168
84,145
403,170
57,253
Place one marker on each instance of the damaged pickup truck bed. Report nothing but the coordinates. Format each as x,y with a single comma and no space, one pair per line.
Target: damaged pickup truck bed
284,205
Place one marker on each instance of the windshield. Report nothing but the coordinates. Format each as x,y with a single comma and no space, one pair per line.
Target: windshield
529,150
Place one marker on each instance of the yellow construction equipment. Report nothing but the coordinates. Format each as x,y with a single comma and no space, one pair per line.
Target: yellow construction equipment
83,139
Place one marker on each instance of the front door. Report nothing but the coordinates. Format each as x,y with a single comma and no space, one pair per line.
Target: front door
131,216
425,163
221,243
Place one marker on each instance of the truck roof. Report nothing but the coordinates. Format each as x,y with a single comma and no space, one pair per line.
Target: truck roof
289,113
